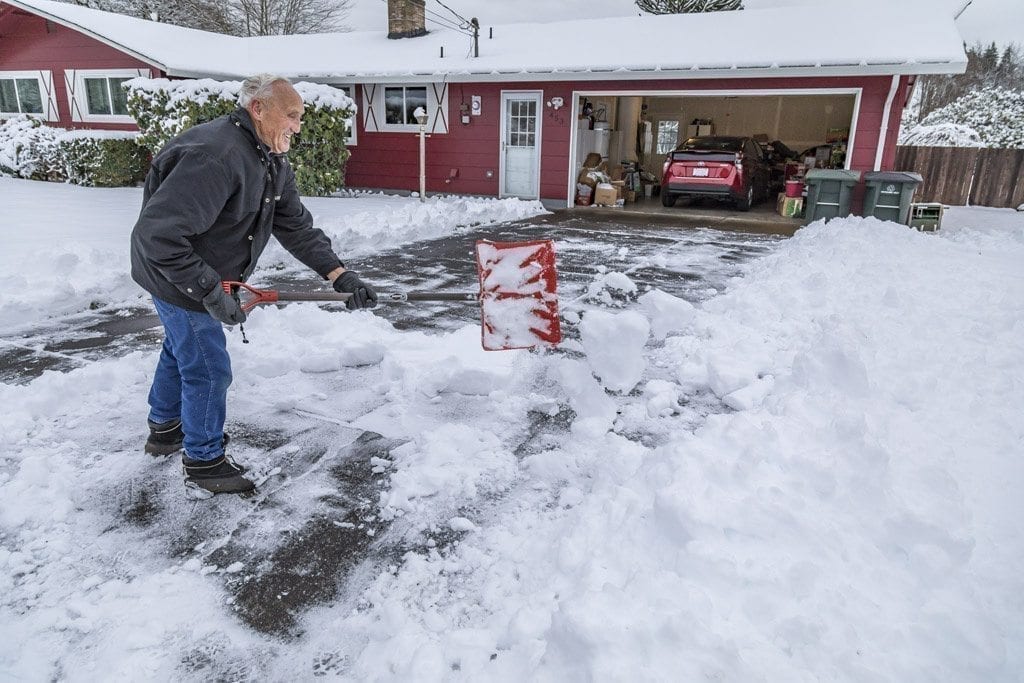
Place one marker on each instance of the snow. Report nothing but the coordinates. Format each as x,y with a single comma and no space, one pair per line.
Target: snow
560,49
813,475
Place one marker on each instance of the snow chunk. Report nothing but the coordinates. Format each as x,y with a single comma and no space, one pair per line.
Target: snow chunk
614,346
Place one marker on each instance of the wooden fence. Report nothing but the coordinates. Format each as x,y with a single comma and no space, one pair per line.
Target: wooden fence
966,175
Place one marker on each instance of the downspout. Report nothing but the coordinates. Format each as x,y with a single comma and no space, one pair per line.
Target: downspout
886,113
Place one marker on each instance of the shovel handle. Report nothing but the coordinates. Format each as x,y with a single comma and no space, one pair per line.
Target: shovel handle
269,296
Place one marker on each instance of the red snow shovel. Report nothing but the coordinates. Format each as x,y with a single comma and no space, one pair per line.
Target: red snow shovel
518,300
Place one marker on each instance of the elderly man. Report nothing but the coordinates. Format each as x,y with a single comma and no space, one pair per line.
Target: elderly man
213,197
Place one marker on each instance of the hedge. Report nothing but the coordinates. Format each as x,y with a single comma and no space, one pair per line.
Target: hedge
163,108
29,149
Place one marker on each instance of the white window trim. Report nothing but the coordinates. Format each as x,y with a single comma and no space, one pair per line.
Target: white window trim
350,90
374,112
75,80
45,80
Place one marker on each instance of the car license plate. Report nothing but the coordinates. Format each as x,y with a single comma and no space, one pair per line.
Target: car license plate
700,172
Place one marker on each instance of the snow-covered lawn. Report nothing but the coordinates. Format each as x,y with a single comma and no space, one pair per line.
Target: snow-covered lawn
815,475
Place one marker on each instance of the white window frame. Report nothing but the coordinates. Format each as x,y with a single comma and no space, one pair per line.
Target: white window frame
402,127
350,91
79,99
375,116
46,94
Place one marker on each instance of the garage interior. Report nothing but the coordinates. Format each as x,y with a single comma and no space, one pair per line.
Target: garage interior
632,134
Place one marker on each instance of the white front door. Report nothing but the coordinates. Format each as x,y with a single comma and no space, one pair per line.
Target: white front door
520,144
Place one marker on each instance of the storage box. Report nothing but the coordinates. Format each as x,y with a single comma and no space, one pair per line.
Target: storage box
620,188
700,130
790,207
605,194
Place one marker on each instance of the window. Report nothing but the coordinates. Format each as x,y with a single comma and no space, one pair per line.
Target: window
350,122
522,123
106,97
20,96
400,102
668,136
27,92
97,96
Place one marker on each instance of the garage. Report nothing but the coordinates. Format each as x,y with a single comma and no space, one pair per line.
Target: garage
622,139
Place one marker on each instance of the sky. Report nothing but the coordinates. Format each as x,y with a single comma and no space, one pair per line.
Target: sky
984,21
812,473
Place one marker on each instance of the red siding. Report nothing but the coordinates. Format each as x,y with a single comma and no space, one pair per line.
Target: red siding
30,43
391,160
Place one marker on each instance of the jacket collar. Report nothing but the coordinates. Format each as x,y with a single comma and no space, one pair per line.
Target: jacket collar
241,118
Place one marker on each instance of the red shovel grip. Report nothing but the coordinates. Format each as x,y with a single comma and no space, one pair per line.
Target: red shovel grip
259,296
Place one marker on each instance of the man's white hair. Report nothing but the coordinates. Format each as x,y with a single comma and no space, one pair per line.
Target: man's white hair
258,87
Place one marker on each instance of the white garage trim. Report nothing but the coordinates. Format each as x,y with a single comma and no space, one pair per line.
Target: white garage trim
732,92
886,113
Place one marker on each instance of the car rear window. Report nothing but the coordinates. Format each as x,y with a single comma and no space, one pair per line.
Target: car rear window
713,144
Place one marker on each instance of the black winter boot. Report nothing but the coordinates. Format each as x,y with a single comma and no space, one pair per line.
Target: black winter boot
165,438
220,475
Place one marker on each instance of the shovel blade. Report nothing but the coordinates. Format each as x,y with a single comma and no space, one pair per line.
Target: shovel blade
518,297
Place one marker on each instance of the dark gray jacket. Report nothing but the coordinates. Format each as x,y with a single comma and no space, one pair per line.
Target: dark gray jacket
213,197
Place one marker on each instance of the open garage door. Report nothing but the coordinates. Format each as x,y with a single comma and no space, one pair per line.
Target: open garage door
633,133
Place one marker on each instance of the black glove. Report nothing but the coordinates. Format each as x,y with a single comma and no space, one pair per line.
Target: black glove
224,307
363,295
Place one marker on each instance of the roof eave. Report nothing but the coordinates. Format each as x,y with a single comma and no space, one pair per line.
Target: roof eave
645,74
92,34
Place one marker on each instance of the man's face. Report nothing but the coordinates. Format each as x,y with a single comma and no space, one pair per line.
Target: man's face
278,117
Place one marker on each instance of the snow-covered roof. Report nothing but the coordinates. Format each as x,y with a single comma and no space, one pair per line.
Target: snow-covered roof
833,38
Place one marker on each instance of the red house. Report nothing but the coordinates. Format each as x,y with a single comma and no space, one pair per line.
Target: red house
513,111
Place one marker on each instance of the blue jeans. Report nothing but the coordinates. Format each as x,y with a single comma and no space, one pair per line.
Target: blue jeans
192,379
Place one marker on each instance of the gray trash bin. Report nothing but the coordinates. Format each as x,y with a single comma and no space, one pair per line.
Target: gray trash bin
828,193
889,194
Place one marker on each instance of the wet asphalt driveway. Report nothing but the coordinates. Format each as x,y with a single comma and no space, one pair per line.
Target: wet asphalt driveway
691,263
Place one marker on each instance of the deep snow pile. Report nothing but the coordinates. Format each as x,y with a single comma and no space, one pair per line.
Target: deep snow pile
813,476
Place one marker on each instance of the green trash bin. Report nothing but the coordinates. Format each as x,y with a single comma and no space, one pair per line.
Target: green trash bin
889,194
828,193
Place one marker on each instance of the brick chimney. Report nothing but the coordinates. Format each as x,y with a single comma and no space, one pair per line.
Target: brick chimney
406,18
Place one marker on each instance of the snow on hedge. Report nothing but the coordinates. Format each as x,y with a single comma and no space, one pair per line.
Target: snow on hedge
995,114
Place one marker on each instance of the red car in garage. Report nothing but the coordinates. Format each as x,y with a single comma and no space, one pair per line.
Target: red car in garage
721,167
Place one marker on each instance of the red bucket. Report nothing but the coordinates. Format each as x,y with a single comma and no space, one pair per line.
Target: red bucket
794,188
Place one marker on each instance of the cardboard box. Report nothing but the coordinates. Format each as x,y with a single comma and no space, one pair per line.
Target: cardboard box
620,188
700,130
630,196
605,194
790,207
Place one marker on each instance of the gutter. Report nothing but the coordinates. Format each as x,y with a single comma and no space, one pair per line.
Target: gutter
886,114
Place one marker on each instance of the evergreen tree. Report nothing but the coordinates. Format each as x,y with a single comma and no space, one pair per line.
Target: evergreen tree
687,6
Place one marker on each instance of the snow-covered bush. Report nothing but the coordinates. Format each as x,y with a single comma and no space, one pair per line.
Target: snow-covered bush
995,114
163,108
30,149
941,135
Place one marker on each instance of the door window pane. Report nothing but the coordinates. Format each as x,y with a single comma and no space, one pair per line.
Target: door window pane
8,96
97,95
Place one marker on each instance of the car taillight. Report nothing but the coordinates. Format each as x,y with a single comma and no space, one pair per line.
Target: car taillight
664,167
739,161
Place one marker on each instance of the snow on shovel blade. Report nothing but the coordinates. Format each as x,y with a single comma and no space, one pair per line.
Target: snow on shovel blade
518,301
